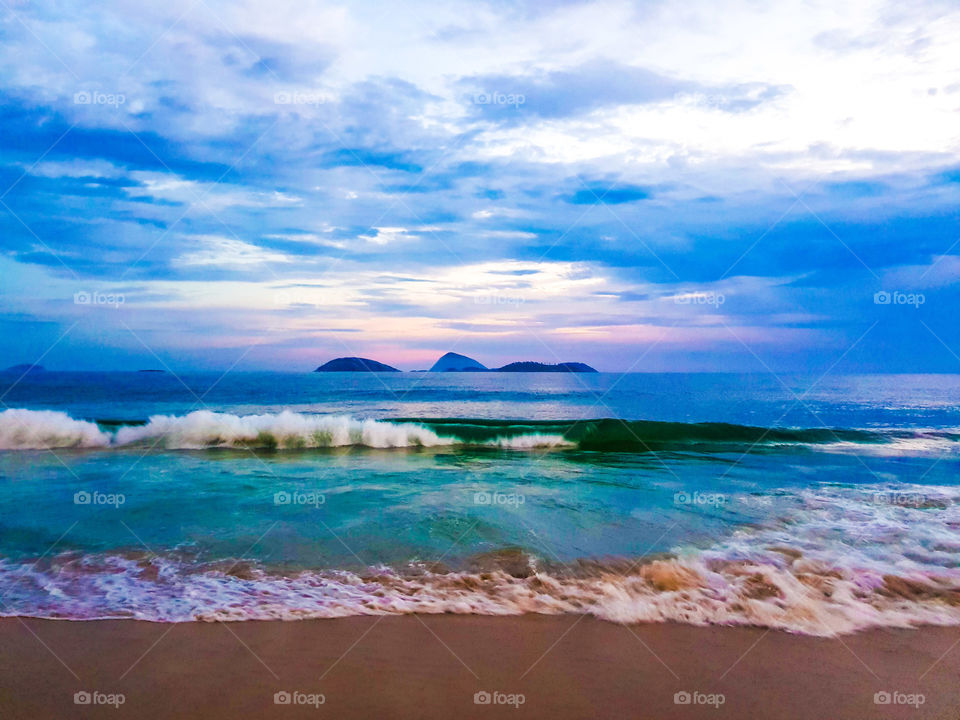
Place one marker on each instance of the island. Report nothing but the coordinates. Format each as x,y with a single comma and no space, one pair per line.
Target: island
24,368
455,362
355,364
537,367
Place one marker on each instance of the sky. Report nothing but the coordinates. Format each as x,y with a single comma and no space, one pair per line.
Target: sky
643,186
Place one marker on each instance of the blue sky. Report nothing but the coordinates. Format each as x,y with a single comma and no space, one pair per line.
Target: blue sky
737,186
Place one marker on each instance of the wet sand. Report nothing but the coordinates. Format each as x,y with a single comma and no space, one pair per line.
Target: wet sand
432,667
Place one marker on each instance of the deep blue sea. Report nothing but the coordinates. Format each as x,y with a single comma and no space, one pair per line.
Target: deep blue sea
816,505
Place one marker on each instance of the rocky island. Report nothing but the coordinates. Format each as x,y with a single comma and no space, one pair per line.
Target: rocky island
454,362
355,364
24,368
537,367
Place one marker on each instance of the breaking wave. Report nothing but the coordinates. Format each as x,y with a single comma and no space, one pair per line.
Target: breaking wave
39,429
46,429
43,429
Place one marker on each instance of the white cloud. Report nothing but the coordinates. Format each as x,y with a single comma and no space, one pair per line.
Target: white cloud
388,235
228,252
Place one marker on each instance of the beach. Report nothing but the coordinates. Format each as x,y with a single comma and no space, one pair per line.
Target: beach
425,666
437,556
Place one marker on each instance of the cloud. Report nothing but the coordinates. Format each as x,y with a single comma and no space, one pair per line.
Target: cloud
438,173
229,252
519,99
388,235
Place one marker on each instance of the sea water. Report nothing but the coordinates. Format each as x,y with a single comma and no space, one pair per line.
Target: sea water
815,505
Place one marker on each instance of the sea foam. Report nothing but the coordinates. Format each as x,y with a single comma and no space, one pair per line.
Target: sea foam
46,429
286,430
49,429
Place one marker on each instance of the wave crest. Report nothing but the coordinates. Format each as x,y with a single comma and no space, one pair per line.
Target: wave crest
39,429
285,430
47,429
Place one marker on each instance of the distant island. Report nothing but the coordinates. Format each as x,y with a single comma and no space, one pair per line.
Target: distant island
24,368
528,367
454,362
151,370
355,364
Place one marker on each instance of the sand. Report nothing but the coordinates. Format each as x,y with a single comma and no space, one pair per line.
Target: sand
432,666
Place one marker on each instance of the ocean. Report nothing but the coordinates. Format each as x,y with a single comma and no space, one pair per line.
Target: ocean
813,505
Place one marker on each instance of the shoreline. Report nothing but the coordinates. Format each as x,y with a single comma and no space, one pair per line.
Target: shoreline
428,666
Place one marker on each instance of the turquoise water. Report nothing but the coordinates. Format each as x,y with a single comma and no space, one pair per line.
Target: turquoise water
699,498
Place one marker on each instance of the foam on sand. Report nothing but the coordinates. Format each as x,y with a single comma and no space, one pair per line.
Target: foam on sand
847,559
797,595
